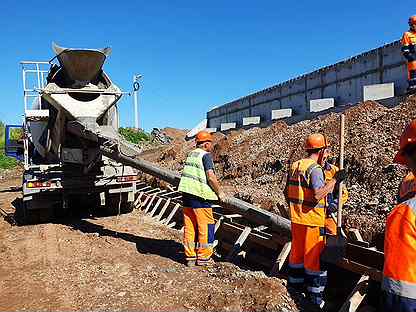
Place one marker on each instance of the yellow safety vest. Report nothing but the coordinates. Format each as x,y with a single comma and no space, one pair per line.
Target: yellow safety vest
194,180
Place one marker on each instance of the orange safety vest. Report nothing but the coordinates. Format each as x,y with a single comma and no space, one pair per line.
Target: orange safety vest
304,209
409,40
407,187
409,46
329,171
400,250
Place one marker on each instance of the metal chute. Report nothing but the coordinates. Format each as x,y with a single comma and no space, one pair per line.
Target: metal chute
82,65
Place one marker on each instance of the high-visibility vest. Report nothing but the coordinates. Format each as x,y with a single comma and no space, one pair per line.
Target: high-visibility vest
304,209
193,179
329,171
409,42
400,250
407,187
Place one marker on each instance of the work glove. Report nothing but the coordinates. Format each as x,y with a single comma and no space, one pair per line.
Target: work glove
340,176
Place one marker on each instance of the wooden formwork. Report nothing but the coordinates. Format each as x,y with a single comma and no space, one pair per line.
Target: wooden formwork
237,237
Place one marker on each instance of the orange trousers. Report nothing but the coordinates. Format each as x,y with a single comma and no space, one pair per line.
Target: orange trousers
308,243
411,74
411,66
307,246
330,226
198,234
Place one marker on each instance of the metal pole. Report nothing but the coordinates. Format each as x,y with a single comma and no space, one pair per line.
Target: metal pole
136,118
136,87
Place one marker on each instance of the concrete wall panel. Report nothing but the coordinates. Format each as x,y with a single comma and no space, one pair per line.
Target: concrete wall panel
343,81
281,113
228,126
251,120
378,91
321,105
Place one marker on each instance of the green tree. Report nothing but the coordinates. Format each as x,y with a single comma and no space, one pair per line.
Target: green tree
134,136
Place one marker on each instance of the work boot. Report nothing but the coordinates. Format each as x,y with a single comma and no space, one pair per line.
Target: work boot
205,263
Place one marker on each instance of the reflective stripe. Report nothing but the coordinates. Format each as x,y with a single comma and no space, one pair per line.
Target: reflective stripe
296,280
411,203
194,154
296,266
197,245
298,182
316,273
189,176
316,290
304,209
189,244
306,203
400,288
188,163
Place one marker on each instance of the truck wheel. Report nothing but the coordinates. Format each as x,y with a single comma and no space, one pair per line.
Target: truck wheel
24,215
113,201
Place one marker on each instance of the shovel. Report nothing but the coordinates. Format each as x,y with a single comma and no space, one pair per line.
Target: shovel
335,245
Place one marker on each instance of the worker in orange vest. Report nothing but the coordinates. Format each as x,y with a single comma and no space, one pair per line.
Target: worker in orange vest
306,192
200,190
409,52
407,187
332,199
399,273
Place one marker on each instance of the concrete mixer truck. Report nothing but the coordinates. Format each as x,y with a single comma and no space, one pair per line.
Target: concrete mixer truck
62,170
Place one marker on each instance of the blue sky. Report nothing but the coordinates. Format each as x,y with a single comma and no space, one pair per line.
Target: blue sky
193,55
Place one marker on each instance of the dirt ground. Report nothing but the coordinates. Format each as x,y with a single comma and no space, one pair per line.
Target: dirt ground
125,262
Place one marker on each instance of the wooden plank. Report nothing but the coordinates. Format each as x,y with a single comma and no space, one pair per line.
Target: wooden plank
281,259
155,207
358,268
143,204
263,239
150,203
137,201
239,243
365,256
357,295
249,256
152,191
163,210
218,224
142,189
260,228
355,235
170,193
172,213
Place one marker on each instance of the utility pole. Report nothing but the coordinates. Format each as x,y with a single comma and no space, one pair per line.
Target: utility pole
136,87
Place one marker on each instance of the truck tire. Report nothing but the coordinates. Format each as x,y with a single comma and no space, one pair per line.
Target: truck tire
113,201
24,215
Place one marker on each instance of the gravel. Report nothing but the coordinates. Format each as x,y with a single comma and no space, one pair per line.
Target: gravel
252,164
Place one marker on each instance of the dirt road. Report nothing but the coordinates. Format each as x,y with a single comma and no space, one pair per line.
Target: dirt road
125,262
